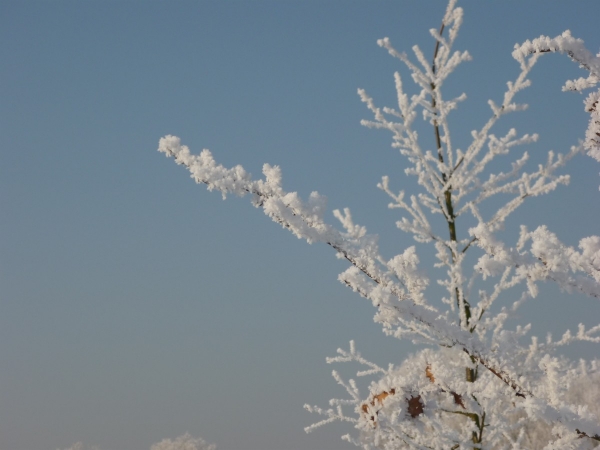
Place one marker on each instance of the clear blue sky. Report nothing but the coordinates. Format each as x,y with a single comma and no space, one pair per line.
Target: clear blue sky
136,306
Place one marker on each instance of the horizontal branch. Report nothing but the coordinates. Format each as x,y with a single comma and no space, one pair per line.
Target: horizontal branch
305,221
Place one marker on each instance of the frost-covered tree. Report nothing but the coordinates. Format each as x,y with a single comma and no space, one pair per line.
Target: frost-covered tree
477,383
183,442
80,446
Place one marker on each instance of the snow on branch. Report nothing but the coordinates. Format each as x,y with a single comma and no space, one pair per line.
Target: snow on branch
548,259
574,48
396,309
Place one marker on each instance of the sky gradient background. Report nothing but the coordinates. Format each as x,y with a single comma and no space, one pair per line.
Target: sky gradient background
136,306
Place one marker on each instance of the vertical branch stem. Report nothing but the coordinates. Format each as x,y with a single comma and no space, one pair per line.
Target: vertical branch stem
470,374
451,217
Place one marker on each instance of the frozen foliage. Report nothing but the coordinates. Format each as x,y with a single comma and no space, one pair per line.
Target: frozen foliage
565,43
478,383
427,402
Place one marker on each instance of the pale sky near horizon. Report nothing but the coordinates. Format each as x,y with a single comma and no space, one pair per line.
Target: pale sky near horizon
137,306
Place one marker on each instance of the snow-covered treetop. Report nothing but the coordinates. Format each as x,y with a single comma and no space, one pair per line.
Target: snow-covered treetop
431,403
